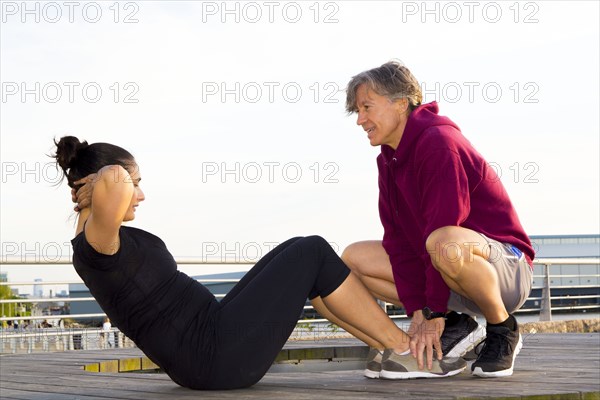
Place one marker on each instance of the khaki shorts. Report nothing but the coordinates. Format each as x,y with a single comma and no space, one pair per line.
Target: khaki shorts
514,275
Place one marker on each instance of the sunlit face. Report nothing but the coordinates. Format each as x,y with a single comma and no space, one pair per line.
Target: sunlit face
138,194
382,119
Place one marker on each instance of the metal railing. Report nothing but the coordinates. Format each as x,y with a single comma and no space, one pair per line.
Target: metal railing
545,308
546,298
68,339
61,339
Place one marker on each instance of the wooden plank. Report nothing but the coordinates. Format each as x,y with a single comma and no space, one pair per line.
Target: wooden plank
550,366
148,364
157,392
93,367
9,394
130,364
109,366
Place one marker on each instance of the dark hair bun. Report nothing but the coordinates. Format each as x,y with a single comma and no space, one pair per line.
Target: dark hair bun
79,159
67,150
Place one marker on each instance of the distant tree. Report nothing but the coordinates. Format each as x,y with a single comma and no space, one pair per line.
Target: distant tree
8,310
5,292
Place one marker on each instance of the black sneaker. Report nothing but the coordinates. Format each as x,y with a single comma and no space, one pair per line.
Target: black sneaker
497,358
461,334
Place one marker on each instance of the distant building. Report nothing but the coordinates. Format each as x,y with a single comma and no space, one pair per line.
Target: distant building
567,281
562,246
568,246
38,290
77,291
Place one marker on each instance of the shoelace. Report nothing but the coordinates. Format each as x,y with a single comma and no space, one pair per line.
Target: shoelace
479,348
494,347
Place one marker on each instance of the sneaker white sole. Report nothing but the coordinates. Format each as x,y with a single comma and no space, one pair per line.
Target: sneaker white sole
468,343
371,374
505,372
416,374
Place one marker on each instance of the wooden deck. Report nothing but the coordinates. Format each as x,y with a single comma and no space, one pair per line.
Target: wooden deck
550,366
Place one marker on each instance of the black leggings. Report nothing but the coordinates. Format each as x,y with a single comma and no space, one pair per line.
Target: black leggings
258,315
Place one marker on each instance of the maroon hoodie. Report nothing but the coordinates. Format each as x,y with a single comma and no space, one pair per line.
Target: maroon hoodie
435,178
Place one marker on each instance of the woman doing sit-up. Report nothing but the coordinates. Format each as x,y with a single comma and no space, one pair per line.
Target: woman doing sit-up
199,342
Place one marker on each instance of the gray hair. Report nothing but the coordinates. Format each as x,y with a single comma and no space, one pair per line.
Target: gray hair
392,80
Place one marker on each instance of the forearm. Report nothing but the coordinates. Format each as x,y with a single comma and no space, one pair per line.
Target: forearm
112,194
104,198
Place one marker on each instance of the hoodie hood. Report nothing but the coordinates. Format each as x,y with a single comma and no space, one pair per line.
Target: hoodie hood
421,118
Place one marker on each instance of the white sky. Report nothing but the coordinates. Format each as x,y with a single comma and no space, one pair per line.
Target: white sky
282,113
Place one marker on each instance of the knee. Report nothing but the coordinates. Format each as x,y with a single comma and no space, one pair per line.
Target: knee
315,241
351,257
312,246
447,253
